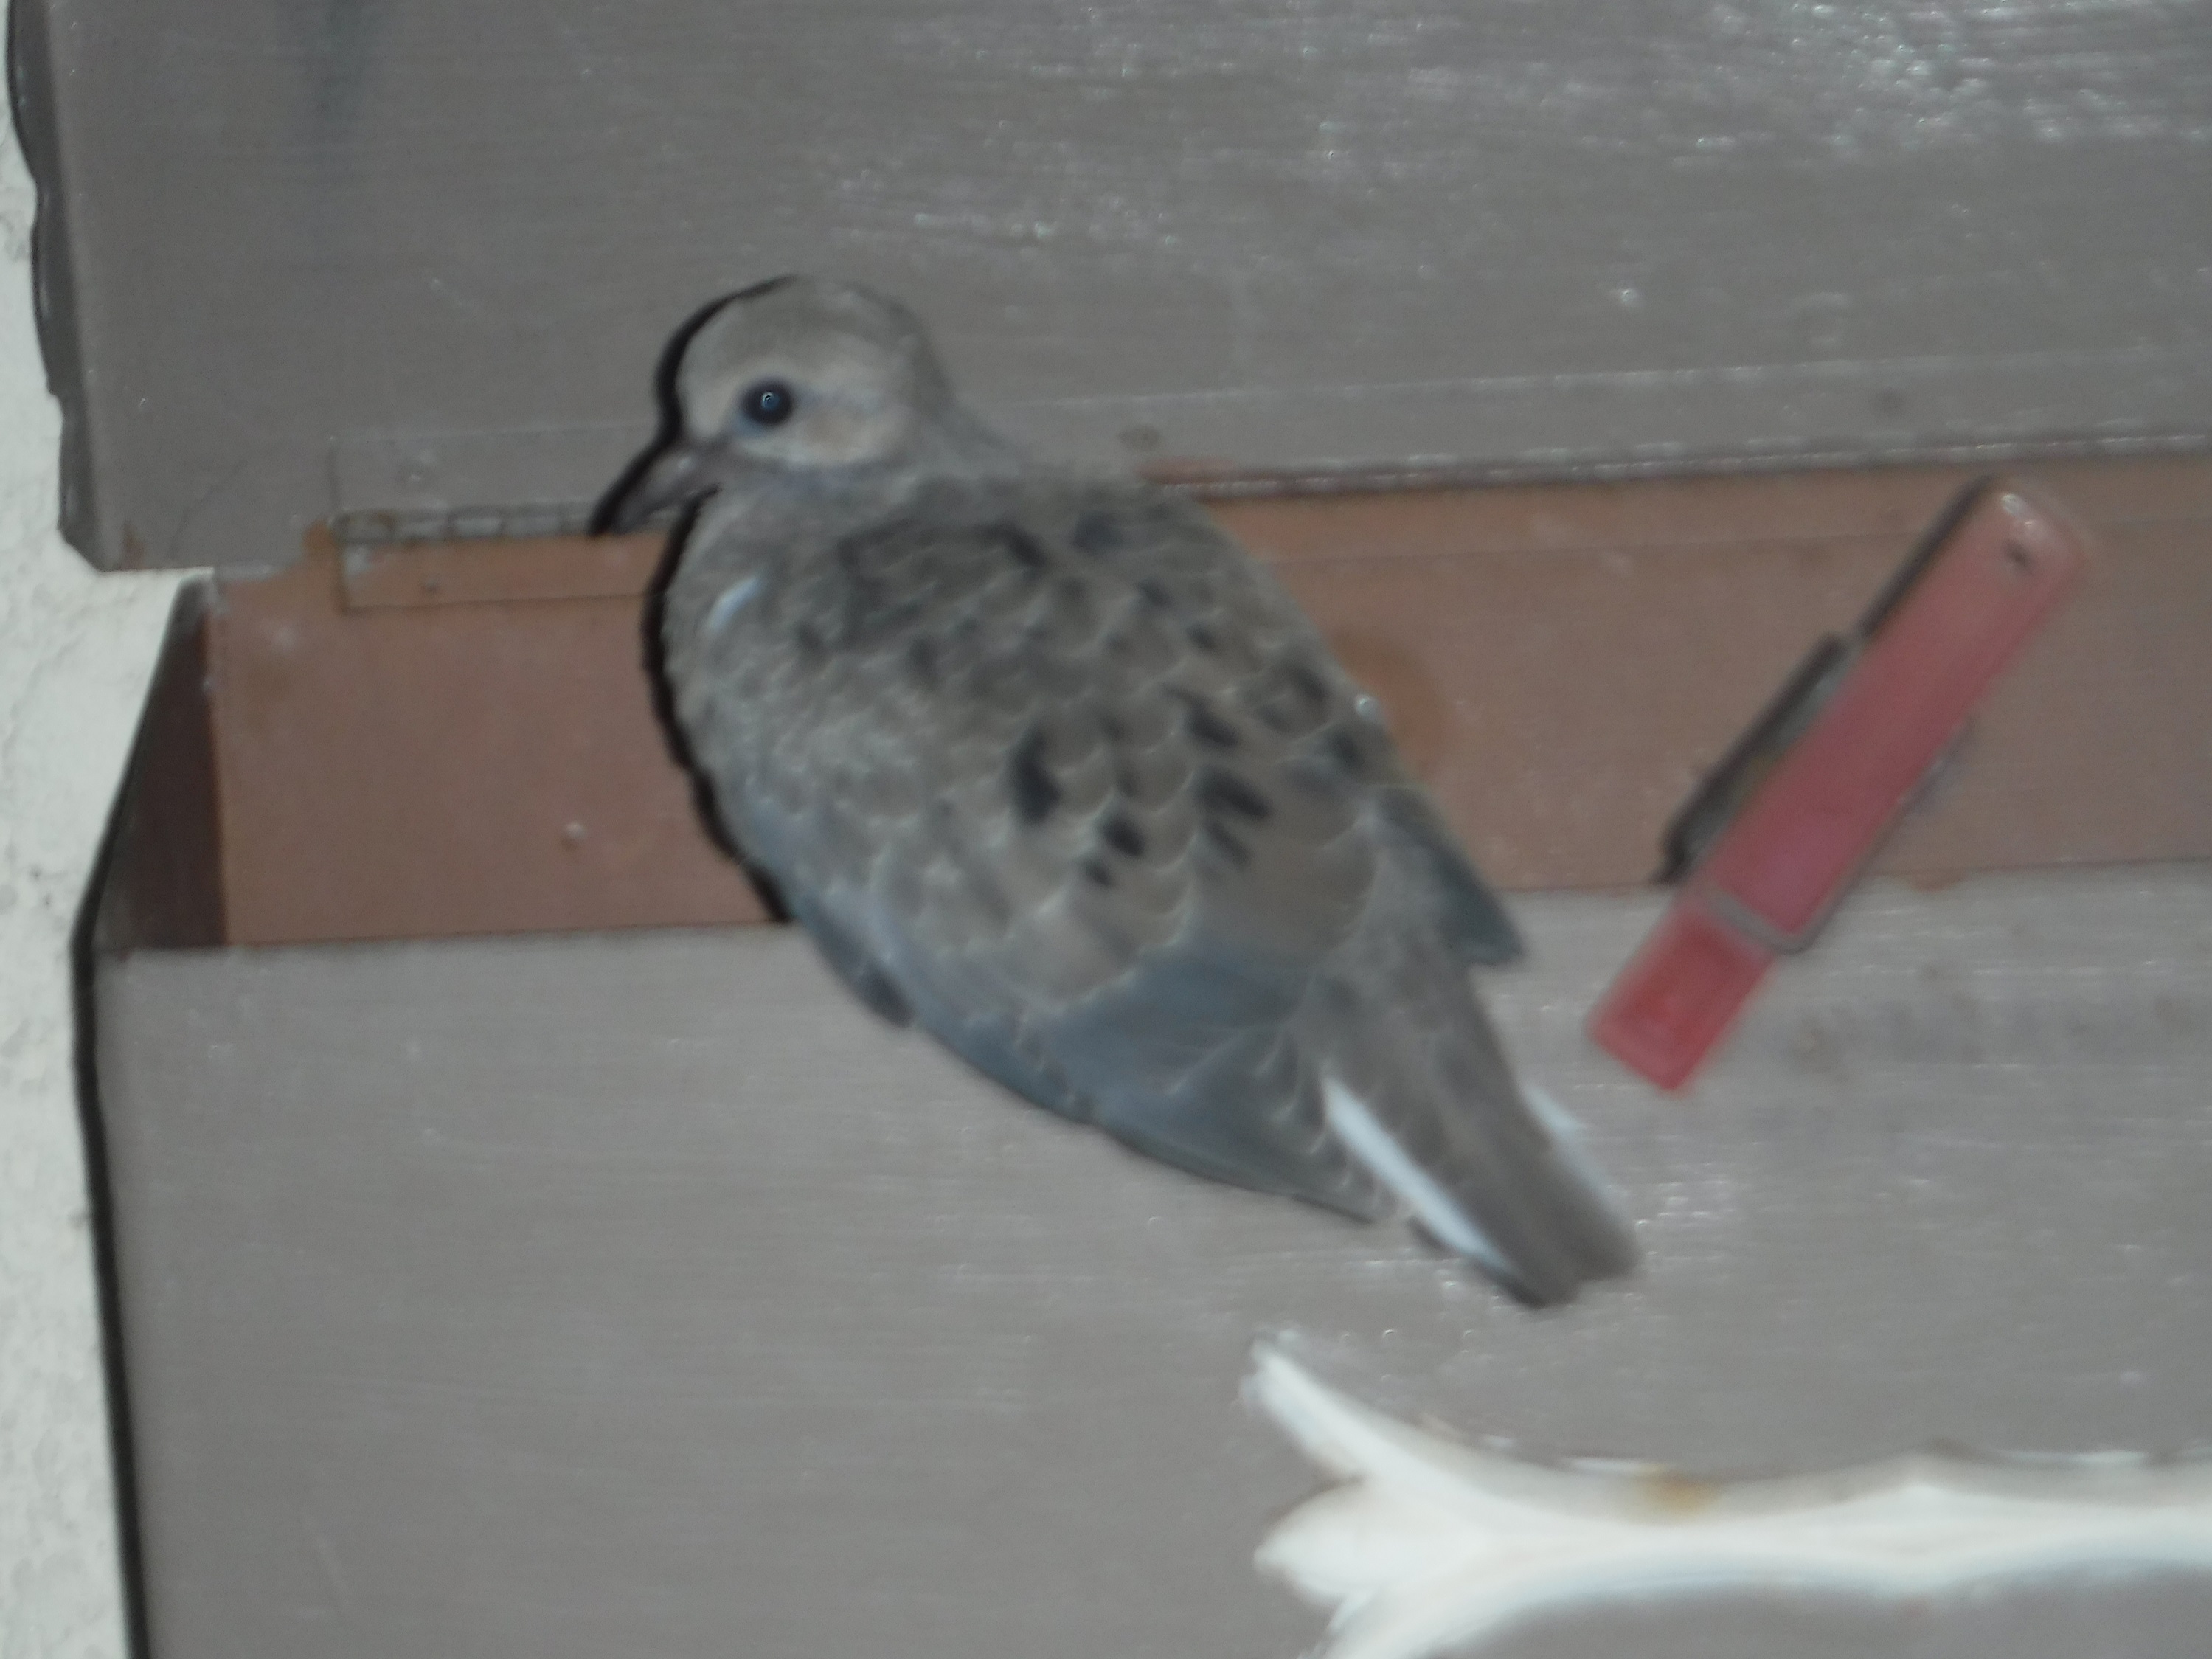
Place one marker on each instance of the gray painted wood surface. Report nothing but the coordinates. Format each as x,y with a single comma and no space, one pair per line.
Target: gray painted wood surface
406,255
639,1294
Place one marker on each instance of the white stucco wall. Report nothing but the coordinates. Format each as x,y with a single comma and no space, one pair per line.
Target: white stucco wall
76,649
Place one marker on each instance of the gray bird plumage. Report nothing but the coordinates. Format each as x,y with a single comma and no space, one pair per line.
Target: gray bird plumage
1049,766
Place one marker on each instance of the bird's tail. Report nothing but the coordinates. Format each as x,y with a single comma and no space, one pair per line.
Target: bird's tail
1417,1091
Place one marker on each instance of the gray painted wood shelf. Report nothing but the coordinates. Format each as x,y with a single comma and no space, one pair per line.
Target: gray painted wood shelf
428,252
640,1292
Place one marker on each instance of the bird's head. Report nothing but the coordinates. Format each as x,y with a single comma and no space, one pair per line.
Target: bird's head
797,375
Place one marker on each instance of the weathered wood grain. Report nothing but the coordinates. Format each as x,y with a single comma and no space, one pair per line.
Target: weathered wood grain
640,1293
415,256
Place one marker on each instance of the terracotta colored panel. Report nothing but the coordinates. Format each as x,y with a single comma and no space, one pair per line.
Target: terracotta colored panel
1562,704
473,768
1896,502
461,738
1645,514
482,572
2130,492
1565,674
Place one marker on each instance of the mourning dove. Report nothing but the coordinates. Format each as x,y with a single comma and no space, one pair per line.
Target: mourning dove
1048,766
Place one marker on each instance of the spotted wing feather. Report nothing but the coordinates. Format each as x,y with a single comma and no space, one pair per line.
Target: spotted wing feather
1079,785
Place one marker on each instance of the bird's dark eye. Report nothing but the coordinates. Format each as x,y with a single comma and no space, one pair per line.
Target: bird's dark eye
766,402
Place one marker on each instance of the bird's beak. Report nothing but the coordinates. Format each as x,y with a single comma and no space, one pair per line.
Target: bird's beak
664,480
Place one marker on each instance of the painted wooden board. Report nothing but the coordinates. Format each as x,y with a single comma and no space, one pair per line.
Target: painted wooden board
638,1294
420,257
461,738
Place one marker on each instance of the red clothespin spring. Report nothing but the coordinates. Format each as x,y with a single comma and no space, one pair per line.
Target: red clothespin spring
1773,839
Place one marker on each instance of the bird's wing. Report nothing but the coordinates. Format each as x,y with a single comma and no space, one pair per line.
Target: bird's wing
1052,763
1076,777
1356,891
